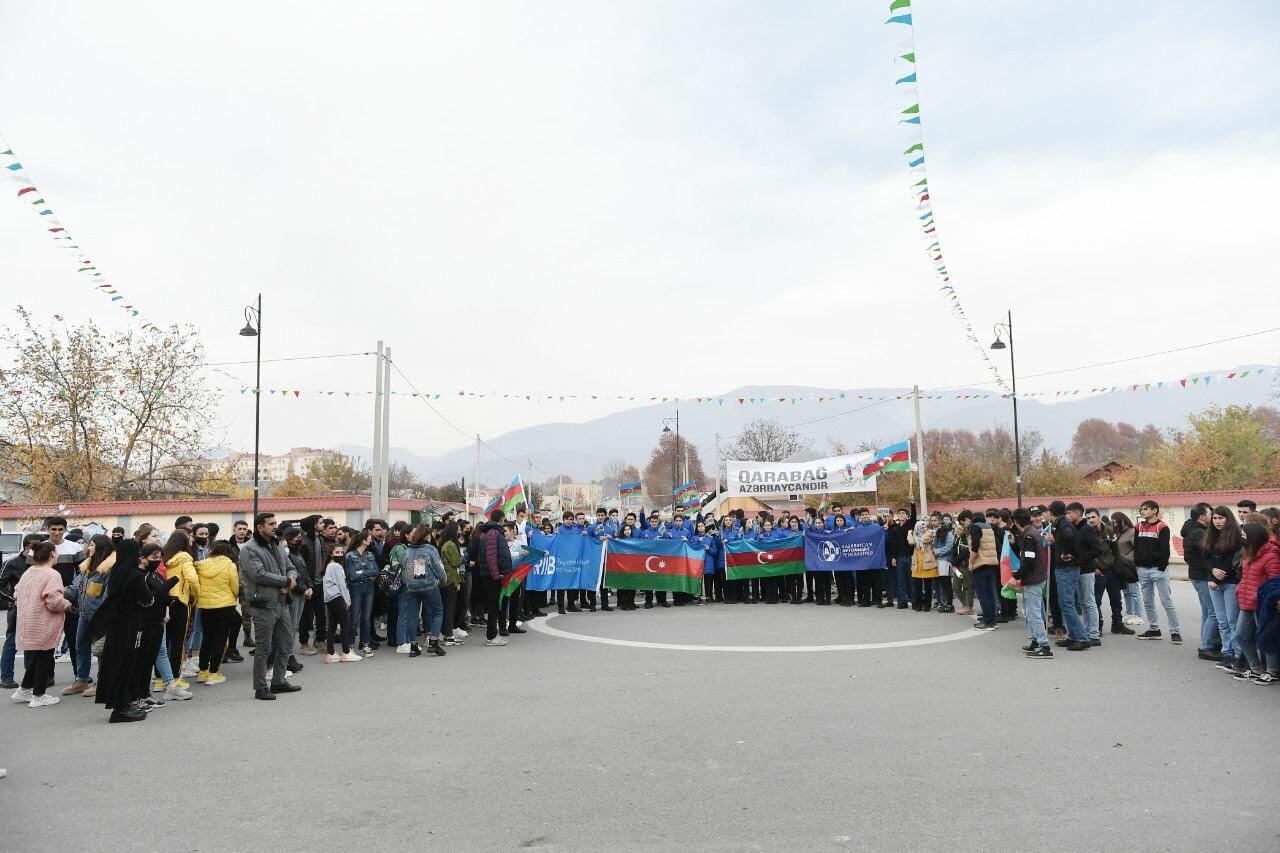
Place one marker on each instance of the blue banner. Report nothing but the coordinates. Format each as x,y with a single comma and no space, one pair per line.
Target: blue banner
572,562
850,549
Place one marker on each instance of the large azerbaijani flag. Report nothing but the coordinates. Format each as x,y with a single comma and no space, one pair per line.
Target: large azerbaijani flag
510,498
629,488
687,487
665,565
529,557
895,457
753,558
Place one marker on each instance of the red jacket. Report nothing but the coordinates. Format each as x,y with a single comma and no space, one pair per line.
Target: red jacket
1254,573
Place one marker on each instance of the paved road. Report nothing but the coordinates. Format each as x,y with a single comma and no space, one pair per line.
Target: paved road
555,744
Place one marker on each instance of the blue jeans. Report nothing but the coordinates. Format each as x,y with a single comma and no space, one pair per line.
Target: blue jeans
162,659
434,612
1151,580
1033,611
362,611
986,586
1226,610
1088,605
1247,636
1132,599
83,656
10,648
1068,581
902,579
1208,617
410,611
195,636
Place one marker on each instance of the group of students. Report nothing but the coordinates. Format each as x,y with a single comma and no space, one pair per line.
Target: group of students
156,615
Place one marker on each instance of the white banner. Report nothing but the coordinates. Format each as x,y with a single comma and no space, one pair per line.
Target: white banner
821,476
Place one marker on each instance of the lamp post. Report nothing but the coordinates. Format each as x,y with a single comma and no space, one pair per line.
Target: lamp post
1000,329
675,459
252,315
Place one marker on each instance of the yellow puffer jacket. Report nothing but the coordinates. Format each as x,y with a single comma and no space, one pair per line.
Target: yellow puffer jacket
219,583
925,564
183,568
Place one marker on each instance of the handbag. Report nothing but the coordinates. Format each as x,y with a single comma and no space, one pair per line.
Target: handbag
1125,570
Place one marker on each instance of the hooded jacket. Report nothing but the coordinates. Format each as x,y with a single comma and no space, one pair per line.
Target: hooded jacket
182,567
495,557
219,583
1192,534
313,550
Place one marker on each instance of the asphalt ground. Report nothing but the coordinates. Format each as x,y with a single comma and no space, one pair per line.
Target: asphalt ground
555,743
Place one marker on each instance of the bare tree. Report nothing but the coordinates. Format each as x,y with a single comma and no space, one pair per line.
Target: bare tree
765,440
91,415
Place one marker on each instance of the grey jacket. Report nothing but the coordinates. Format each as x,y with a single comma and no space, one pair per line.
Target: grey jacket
264,570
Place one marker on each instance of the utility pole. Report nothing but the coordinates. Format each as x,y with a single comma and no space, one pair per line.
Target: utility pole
375,466
716,496
475,475
924,494
384,506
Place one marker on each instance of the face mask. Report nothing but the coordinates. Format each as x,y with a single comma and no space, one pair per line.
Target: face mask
153,565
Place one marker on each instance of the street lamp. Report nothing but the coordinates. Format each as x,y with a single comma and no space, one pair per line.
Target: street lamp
1000,329
675,459
252,315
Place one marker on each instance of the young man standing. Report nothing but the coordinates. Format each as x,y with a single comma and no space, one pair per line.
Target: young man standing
1151,555
264,570
239,536
1033,572
984,562
1105,578
1088,557
1065,561
1198,566
70,554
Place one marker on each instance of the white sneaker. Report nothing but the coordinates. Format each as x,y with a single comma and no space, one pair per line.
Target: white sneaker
173,691
41,701
288,674
403,649
1134,620
496,641
350,657
191,668
62,658
22,694
459,634
331,658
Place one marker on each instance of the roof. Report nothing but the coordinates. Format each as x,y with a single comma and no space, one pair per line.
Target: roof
1092,467
1262,497
109,509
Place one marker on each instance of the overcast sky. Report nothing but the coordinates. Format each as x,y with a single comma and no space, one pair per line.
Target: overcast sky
561,197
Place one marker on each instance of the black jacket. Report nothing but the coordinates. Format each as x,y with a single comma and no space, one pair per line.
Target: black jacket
1193,533
14,569
1065,553
1228,562
1089,547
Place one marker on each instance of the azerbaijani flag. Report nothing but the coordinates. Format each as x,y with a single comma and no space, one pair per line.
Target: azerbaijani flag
666,565
511,497
753,558
687,487
629,488
691,499
895,457
1009,563
529,557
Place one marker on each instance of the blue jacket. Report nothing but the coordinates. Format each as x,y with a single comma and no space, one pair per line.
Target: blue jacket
361,570
423,570
570,530
651,533
727,535
710,548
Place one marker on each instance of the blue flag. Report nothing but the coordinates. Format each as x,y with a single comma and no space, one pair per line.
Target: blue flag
572,561
849,549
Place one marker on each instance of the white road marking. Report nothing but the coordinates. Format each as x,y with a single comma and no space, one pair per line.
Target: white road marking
541,626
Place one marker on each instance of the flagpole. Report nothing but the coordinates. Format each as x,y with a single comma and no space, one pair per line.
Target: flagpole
924,494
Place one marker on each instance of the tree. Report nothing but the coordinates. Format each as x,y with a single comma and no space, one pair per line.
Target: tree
1231,448
765,440
296,486
403,483
340,473
451,492
661,468
1097,442
92,415
611,475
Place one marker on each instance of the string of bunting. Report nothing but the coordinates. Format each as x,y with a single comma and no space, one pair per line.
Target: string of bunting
1190,381
34,199
908,86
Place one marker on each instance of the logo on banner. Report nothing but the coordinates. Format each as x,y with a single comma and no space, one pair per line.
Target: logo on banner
830,552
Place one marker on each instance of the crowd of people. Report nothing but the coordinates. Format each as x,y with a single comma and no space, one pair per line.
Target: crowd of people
158,612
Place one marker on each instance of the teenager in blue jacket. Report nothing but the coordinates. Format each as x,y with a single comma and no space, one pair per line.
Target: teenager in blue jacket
710,546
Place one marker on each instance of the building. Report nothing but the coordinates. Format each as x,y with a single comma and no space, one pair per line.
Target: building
349,510
1107,472
272,468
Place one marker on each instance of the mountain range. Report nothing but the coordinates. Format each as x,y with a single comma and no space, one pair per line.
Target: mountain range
581,449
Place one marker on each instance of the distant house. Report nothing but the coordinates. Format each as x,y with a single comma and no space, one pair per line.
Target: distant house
1105,473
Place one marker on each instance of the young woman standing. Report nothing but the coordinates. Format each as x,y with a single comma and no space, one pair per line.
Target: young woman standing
1223,547
216,604
41,607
